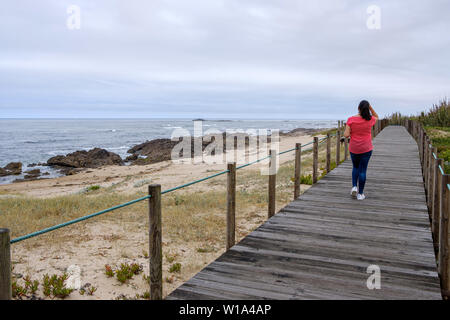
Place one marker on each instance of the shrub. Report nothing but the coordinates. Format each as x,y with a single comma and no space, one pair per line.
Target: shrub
55,286
93,188
176,267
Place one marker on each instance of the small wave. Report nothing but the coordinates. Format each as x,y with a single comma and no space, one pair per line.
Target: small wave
118,148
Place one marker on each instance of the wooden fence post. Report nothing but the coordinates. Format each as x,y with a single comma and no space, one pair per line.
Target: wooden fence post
429,170
425,165
328,165
231,205
430,177
435,209
272,182
338,147
424,149
5,265
444,230
422,143
155,249
346,149
298,170
435,188
315,159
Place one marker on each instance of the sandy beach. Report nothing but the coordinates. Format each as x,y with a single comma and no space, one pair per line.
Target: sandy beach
193,232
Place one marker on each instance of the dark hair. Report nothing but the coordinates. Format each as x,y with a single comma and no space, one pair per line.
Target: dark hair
364,110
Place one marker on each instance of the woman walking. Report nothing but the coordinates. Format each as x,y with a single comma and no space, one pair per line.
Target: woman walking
359,130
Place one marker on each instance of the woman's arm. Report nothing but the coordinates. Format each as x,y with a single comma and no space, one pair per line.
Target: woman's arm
373,112
347,131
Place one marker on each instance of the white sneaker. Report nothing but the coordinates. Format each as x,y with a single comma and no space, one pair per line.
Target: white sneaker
361,197
354,192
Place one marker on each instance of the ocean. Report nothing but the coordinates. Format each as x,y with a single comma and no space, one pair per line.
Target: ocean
36,140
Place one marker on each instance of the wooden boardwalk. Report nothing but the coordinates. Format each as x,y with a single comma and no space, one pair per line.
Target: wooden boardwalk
320,246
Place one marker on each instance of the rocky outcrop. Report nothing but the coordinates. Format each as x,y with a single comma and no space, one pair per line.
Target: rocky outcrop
161,149
12,168
86,159
301,131
32,174
155,151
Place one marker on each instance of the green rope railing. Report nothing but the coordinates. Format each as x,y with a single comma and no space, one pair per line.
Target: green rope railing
61,225
37,233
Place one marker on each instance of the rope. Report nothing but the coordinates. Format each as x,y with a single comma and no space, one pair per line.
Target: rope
58,226
37,233
194,182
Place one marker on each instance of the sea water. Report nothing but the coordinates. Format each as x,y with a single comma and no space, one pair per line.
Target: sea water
36,140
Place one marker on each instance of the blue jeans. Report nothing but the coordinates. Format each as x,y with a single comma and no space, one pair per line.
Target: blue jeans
360,163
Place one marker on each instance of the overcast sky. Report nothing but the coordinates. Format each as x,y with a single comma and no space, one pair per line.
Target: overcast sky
221,58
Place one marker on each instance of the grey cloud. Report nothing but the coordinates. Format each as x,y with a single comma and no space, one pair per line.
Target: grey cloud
221,57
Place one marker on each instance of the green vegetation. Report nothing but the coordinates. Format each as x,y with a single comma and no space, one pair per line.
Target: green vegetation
176,267
124,273
55,286
29,287
436,123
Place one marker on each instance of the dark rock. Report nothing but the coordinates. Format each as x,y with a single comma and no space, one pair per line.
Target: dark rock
132,157
29,177
32,174
86,159
161,149
155,151
3,172
12,168
31,165
34,171
301,131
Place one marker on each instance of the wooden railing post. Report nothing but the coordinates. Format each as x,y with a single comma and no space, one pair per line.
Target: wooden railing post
328,161
429,168
422,143
425,164
298,170
231,205
346,149
272,182
155,244
338,147
435,208
430,177
434,188
5,265
315,159
424,149
444,230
